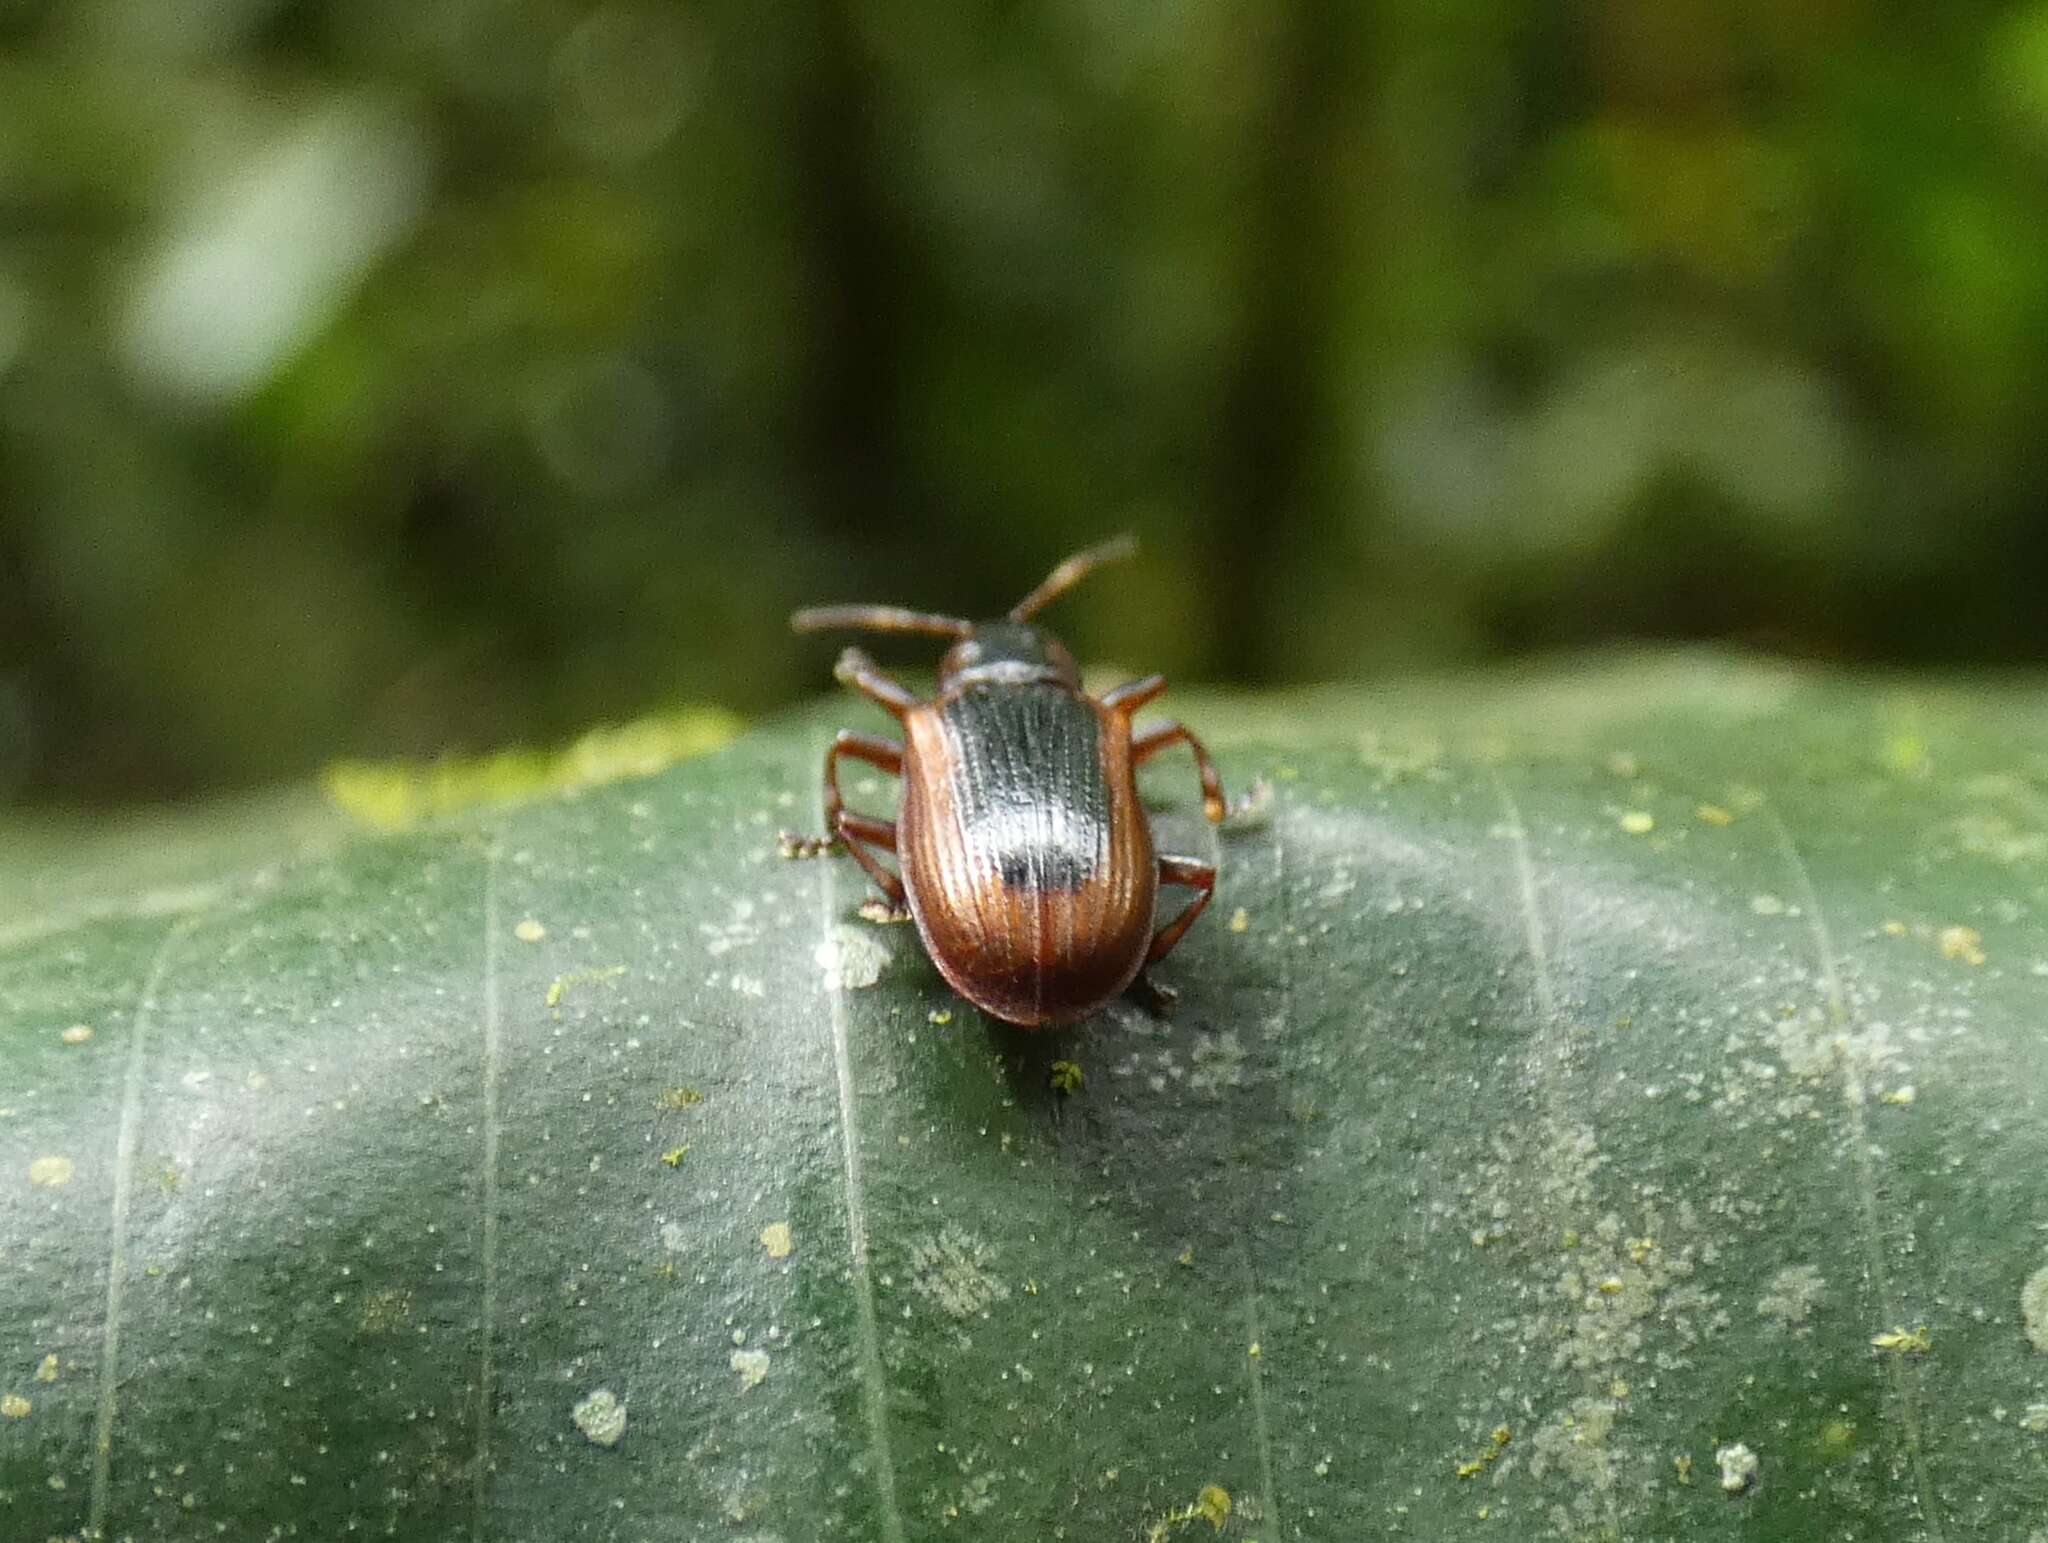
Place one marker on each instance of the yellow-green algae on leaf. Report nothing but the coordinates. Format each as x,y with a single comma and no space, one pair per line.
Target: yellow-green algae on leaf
559,986
1211,1504
396,795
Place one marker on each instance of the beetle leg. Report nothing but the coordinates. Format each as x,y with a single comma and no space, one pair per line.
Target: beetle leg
1150,743
1133,694
860,832
862,747
1153,997
1195,875
857,670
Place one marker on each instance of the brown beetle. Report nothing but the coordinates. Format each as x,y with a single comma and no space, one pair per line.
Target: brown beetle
1025,856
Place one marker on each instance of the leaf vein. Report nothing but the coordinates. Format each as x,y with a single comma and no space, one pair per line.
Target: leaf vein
1546,1065
1854,1096
493,1062
874,1387
117,1250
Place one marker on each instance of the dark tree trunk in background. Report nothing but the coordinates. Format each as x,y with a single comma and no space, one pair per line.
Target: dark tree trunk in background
855,274
1280,512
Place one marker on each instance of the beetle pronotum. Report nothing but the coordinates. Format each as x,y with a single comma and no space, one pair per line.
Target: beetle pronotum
1025,856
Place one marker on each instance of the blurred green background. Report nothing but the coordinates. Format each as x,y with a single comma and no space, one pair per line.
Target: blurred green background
396,375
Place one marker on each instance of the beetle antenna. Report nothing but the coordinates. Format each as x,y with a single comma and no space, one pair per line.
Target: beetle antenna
1072,572
878,618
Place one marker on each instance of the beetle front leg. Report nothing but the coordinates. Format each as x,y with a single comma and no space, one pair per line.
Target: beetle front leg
1150,743
857,670
1133,694
1193,874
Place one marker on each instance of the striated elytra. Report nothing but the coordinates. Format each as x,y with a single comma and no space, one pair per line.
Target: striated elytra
1024,855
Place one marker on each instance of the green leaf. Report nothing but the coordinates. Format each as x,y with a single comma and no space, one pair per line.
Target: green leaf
1584,1084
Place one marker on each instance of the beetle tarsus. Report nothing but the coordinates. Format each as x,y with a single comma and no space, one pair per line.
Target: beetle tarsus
1161,1001
1250,808
799,848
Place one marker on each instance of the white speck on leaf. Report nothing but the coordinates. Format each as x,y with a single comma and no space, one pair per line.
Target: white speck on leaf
1738,1467
1219,1062
851,959
601,1418
752,1365
775,1237
1791,1294
737,932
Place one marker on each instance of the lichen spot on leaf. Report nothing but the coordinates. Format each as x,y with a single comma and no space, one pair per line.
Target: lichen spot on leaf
601,1417
952,1272
2034,1308
851,959
51,1172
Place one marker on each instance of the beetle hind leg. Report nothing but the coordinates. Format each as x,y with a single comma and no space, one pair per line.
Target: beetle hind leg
1154,998
1191,874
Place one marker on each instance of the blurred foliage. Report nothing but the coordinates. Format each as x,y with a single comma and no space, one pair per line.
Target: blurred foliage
407,375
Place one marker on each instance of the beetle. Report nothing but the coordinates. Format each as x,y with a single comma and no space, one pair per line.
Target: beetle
1023,854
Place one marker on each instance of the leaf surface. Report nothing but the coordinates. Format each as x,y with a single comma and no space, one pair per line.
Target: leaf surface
1577,1079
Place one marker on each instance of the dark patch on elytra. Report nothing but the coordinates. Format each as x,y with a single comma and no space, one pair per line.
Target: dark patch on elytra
1028,783
1044,868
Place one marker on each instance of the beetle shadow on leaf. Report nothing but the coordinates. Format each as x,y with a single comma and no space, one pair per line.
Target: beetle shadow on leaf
1179,1121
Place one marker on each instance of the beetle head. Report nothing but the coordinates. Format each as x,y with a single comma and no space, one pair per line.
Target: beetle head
1008,653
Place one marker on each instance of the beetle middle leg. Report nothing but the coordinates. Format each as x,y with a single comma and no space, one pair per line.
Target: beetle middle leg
858,833
1150,743
862,835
